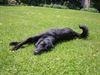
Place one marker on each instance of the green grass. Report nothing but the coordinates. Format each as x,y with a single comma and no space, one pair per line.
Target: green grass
76,57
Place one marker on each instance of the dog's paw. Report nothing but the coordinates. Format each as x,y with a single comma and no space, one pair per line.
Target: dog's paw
14,48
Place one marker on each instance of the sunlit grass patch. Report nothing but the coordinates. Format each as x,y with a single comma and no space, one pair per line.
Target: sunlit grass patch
76,57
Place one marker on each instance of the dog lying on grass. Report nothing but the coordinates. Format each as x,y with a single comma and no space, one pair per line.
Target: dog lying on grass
47,40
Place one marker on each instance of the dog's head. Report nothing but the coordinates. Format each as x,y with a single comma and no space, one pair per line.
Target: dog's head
40,47
43,45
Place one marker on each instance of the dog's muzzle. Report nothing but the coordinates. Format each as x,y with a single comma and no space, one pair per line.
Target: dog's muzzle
38,51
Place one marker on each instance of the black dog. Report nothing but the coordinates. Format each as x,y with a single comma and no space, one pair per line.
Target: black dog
47,40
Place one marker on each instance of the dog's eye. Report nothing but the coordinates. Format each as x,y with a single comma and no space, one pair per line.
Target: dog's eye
43,43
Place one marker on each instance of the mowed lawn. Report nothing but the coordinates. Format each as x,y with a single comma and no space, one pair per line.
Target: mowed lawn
76,57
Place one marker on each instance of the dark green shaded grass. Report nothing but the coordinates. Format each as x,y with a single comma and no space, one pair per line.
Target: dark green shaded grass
76,57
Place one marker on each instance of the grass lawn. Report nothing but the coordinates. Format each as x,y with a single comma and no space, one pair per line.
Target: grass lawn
76,57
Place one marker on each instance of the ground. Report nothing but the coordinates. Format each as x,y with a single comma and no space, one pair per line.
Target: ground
76,57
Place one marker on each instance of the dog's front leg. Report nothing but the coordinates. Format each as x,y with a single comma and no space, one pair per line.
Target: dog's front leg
19,45
27,41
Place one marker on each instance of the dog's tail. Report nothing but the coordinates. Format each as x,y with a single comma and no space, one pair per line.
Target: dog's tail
85,31
14,43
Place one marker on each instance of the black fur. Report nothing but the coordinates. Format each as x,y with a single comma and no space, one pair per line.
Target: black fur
47,40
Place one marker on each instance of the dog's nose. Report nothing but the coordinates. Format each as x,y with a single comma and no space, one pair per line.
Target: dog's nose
36,52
